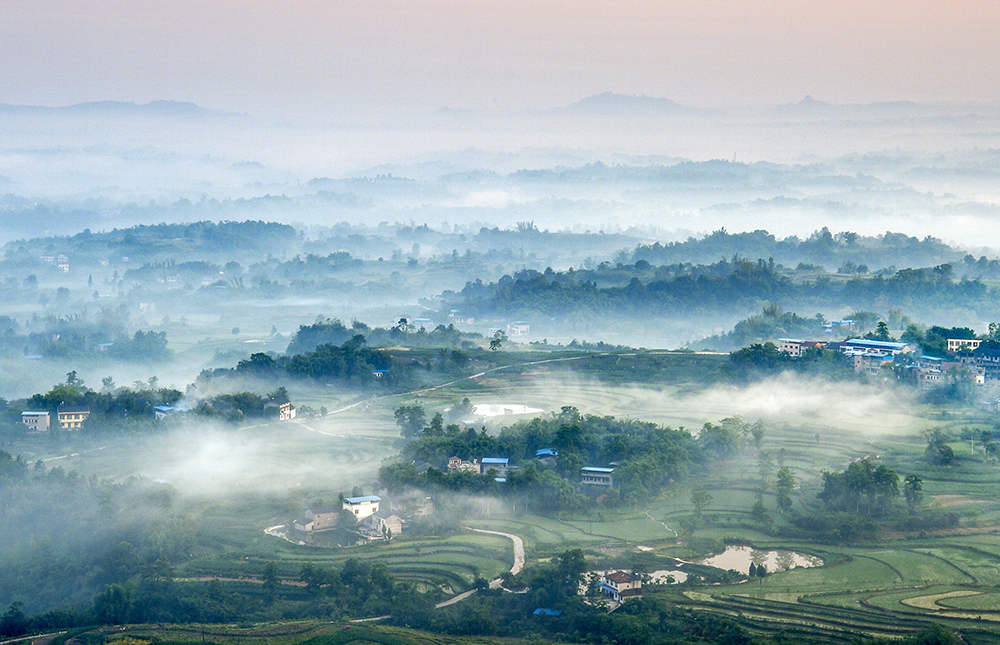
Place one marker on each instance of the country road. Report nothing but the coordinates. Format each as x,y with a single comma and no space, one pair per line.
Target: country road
494,584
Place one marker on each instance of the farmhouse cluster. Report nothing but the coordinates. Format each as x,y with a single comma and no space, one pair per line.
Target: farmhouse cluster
967,358
367,517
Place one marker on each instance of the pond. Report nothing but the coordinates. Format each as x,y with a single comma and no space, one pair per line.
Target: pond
739,558
664,576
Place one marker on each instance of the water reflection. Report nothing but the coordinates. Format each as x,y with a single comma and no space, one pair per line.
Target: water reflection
739,558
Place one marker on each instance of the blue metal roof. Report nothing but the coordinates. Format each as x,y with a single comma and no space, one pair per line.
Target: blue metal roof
547,612
594,469
879,344
362,500
495,460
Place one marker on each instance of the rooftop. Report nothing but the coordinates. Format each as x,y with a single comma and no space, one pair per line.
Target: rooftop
367,499
880,344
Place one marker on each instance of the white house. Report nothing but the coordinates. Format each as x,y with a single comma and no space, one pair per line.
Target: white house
362,507
619,585
963,344
37,421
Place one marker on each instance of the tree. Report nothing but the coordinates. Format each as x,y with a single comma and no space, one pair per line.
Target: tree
496,342
572,566
784,488
938,452
913,488
113,605
270,582
759,513
700,498
410,419
14,622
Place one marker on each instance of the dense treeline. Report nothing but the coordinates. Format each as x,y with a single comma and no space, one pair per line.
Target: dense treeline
648,457
111,408
761,359
104,336
350,364
728,286
405,333
144,240
845,251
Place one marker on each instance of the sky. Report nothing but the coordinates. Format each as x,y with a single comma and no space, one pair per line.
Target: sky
270,57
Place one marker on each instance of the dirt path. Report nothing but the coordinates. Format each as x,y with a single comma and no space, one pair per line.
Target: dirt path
663,524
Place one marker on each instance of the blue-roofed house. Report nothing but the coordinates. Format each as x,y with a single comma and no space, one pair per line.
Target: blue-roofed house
498,464
547,456
541,611
362,507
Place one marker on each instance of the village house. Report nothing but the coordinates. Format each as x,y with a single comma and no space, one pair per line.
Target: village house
285,410
870,355
620,585
596,476
791,346
498,464
322,518
795,346
956,345
874,347
984,360
385,525
455,464
36,421
362,507
71,417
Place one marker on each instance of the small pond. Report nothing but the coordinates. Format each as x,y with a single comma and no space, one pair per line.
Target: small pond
739,558
662,577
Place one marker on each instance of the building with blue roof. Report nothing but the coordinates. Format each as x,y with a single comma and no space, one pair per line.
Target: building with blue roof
362,507
499,464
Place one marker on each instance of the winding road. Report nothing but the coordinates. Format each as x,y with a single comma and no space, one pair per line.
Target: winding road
496,582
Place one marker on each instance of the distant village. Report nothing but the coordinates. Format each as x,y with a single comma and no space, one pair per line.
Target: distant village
966,358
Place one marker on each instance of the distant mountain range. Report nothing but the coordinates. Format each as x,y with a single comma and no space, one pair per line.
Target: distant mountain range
810,107
609,103
154,108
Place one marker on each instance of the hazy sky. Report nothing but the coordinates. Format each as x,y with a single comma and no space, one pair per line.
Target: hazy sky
268,57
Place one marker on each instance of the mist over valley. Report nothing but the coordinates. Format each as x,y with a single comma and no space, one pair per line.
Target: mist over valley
288,371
